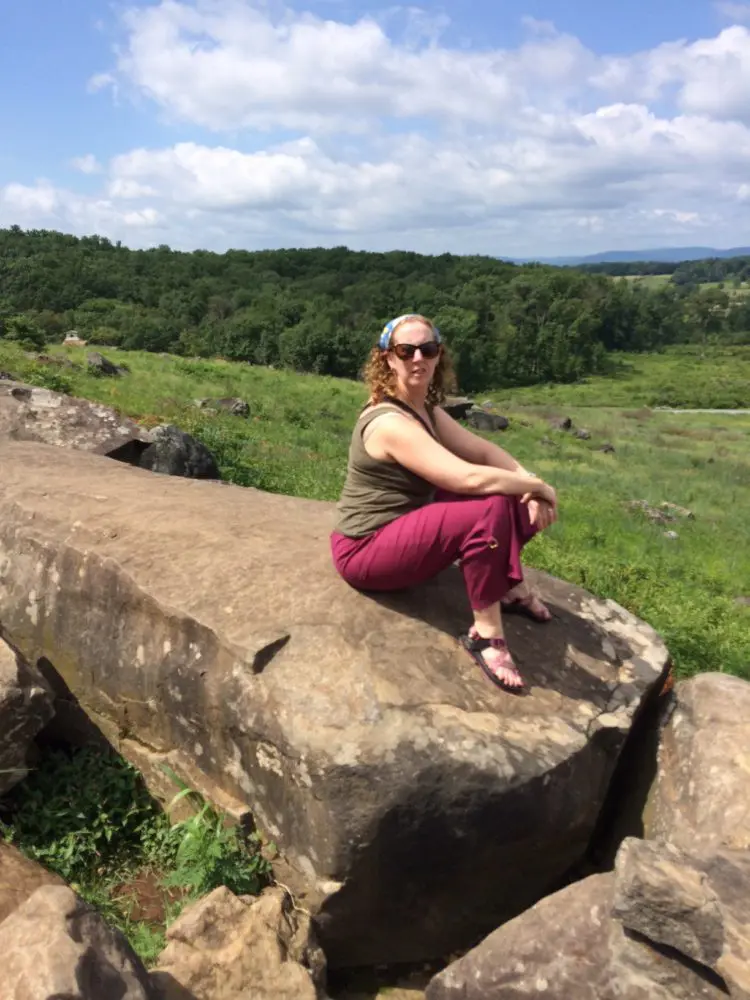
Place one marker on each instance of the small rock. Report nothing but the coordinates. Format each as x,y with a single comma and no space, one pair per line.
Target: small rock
103,366
671,535
582,434
229,948
457,406
6,376
561,423
744,602
482,420
228,404
175,453
607,448
547,442
674,508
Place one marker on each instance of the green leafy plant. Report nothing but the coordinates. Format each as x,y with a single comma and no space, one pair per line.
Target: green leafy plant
87,815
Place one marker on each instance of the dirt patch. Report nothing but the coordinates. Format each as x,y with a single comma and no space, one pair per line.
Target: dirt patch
147,898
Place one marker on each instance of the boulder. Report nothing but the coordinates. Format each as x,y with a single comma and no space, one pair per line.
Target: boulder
697,905
20,877
100,365
485,420
56,946
227,404
561,423
457,406
175,453
26,706
571,947
202,625
701,796
28,413
229,948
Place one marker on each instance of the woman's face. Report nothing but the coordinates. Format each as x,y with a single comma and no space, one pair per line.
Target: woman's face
415,372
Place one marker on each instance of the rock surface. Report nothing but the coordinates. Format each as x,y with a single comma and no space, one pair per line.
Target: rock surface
98,363
26,706
19,879
230,948
486,420
228,404
175,453
457,406
55,946
701,797
570,947
28,413
698,905
203,625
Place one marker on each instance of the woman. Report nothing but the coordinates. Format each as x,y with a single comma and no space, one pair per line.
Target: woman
421,492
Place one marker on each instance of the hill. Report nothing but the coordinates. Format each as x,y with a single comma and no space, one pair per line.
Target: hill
296,439
660,254
320,310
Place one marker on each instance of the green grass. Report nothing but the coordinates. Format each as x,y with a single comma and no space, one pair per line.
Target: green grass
648,280
297,437
682,377
88,817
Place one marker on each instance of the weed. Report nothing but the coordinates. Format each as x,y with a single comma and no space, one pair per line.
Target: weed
87,816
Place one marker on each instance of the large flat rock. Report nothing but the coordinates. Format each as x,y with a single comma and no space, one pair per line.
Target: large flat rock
203,624
31,413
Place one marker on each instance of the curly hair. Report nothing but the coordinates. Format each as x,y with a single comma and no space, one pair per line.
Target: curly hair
381,379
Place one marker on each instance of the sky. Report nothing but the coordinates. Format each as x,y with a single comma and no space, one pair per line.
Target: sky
503,127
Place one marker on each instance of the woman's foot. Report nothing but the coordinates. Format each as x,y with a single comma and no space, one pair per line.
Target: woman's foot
523,600
493,656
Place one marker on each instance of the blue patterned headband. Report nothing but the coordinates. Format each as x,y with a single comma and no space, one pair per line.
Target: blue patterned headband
385,336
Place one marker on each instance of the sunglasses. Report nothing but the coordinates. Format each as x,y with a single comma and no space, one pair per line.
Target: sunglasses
405,352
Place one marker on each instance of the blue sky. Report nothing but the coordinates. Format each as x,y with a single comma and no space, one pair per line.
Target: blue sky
536,127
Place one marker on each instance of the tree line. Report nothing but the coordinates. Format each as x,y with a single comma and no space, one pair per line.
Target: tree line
687,272
320,310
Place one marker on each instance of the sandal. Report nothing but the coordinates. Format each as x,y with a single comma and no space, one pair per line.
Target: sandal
531,606
504,673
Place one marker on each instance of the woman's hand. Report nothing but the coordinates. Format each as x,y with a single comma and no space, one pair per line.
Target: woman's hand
543,492
541,514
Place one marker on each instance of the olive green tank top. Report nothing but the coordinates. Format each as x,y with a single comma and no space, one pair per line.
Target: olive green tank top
376,492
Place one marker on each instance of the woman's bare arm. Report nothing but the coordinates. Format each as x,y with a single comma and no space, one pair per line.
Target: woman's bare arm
403,440
472,447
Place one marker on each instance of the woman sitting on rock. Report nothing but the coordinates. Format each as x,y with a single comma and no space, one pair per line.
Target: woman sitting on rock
422,492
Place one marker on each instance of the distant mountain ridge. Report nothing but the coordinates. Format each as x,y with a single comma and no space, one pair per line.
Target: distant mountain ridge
661,254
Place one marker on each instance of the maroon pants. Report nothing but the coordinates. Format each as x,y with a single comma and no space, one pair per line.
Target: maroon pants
486,534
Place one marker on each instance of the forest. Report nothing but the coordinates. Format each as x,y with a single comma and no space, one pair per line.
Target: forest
320,310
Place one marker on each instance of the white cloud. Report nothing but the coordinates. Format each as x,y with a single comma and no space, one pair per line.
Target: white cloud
87,164
403,140
738,13
231,65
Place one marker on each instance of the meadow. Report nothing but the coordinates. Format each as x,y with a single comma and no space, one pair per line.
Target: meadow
690,588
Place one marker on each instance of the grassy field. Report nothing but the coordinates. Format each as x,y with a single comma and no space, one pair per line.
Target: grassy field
682,377
649,280
296,439
659,280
